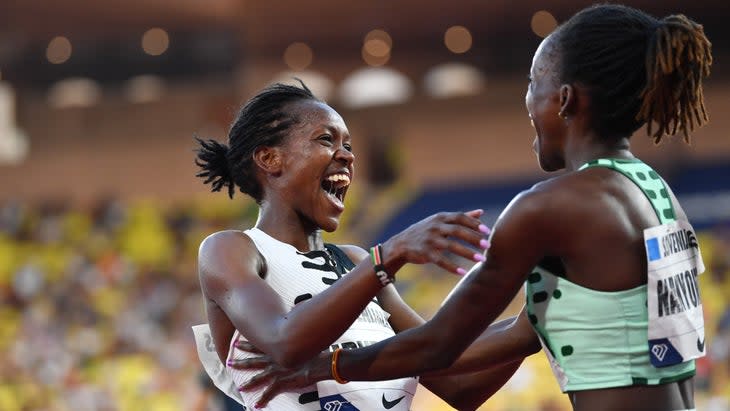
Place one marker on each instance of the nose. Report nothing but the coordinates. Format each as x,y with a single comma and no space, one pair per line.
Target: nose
344,155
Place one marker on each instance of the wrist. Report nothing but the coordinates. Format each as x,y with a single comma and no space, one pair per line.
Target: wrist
384,276
392,258
334,367
322,368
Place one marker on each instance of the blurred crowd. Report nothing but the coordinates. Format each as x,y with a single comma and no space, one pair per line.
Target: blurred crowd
97,305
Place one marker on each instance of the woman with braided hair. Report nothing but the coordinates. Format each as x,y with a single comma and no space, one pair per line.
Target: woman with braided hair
278,286
607,256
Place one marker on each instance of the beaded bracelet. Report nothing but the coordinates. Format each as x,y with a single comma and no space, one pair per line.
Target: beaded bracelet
375,254
335,375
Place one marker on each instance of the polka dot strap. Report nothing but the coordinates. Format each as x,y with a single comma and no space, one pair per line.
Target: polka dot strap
650,183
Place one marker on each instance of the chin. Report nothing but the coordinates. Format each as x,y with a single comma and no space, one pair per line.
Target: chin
330,225
550,166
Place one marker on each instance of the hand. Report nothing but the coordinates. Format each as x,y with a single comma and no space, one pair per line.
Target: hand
428,241
277,378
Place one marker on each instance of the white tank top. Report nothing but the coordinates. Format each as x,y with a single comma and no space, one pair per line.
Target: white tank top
296,277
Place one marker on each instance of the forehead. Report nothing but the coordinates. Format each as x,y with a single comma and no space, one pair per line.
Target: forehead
546,56
317,114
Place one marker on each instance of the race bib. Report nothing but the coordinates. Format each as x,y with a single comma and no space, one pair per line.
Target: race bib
395,395
676,325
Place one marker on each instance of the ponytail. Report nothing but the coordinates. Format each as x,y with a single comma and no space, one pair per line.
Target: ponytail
678,58
212,158
265,120
637,69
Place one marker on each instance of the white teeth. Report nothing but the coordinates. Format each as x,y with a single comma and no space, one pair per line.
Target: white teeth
339,177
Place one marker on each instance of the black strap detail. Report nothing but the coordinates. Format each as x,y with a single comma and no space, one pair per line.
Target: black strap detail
343,261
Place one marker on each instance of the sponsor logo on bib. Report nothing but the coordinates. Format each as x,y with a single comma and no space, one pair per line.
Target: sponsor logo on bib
659,351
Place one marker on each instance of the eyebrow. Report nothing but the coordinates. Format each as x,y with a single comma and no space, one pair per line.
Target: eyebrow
334,130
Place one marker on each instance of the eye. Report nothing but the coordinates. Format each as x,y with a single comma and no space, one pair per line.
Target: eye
326,137
348,147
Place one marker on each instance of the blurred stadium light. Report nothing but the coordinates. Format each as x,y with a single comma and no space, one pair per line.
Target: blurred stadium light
453,80
375,86
13,142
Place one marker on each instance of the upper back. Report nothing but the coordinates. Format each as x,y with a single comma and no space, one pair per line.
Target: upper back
599,217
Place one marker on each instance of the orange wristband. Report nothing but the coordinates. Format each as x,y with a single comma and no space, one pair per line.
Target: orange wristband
335,375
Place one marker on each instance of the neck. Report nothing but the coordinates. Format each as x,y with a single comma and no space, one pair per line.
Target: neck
289,228
583,150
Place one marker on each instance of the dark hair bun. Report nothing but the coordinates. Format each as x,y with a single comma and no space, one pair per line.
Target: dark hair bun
212,158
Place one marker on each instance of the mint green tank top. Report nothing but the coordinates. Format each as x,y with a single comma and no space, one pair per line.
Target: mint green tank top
596,339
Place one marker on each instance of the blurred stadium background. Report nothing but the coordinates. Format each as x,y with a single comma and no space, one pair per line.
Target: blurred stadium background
101,216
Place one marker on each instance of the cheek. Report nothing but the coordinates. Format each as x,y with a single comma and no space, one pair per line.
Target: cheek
528,102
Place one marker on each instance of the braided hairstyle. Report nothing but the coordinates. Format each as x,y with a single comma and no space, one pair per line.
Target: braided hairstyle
638,69
263,121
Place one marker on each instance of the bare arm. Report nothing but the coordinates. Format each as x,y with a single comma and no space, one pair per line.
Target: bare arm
497,353
476,301
483,368
519,241
500,349
230,269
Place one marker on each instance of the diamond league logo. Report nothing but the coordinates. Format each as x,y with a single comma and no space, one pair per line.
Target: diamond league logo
659,351
334,405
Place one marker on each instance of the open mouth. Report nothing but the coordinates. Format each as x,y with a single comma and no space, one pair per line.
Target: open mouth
335,186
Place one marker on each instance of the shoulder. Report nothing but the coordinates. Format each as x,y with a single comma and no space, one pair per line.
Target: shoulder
563,195
223,242
548,211
531,205
229,252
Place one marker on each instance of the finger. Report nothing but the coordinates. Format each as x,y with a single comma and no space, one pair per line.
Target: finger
247,346
269,393
475,213
458,248
449,266
262,378
249,363
457,240
466,220
474,238
440,260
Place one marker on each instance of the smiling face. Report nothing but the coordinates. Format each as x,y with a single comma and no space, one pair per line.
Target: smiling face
317,165
543,105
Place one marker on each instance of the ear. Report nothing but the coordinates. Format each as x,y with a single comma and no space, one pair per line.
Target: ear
268,159
568,100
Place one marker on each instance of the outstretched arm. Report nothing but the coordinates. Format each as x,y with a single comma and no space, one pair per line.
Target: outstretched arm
520,239
483,368
231,269
480,371
522,236
497,354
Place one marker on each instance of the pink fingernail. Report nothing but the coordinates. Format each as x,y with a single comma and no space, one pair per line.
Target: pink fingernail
229,363
484,243
478,257
460,271
484,229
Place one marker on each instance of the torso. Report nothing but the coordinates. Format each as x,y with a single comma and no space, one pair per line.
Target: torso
296,277
593,208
